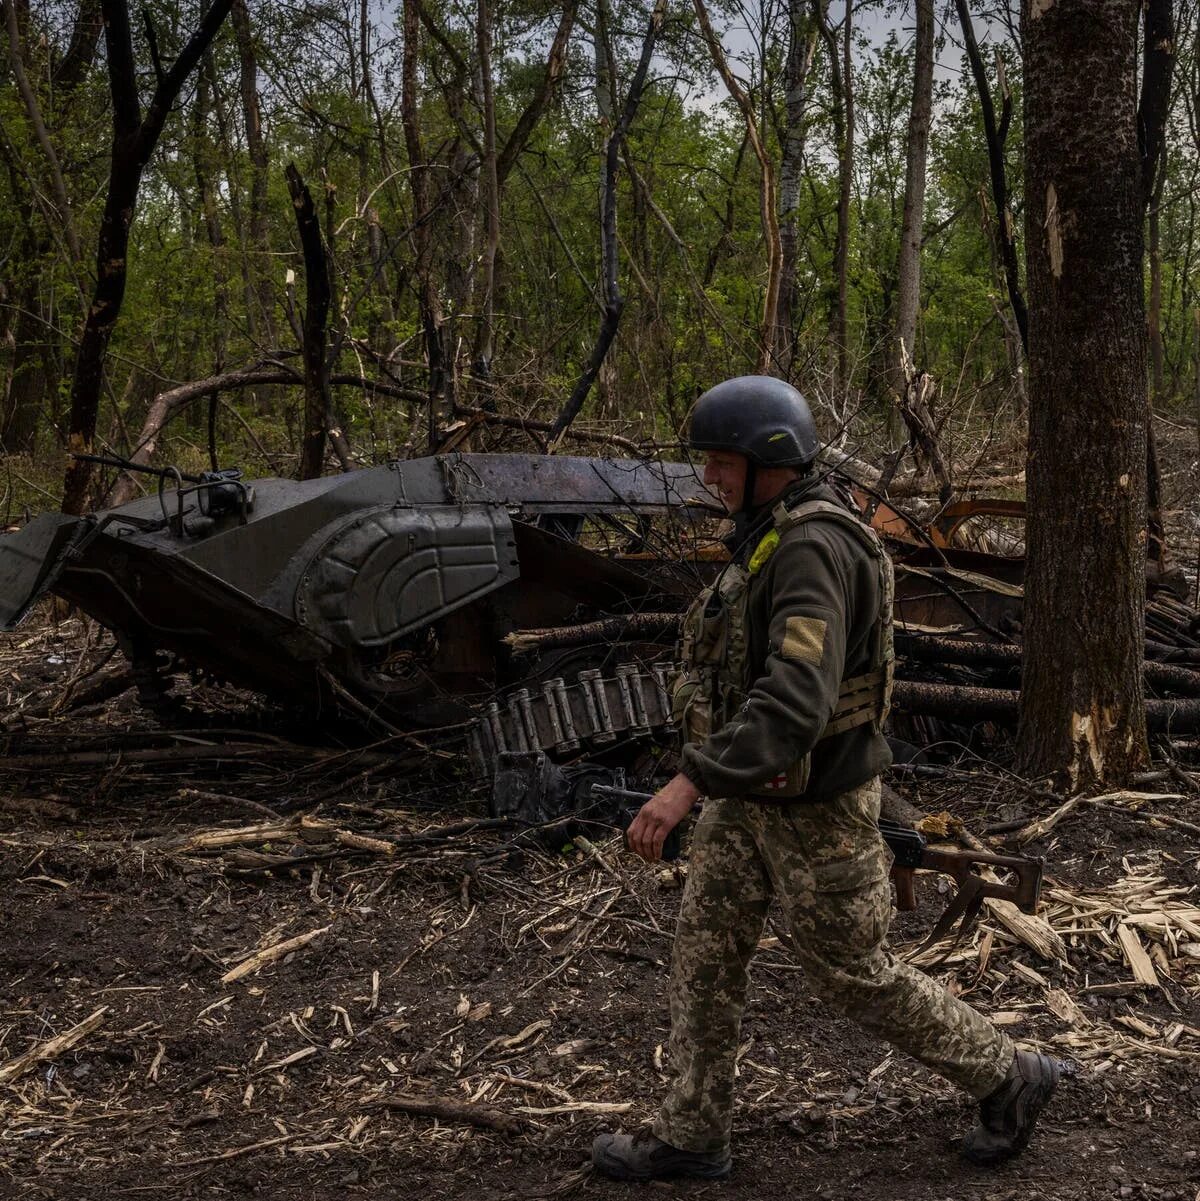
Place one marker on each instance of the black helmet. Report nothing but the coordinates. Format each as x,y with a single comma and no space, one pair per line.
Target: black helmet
758,416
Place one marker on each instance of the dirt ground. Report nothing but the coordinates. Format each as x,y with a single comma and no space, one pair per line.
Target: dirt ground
518,990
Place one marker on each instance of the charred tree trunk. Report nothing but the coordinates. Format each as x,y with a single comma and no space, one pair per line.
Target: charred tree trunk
319,421
134,137
1083,714
997,135
908,265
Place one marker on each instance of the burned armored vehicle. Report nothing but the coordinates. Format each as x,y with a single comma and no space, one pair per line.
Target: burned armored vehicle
388,592
537,596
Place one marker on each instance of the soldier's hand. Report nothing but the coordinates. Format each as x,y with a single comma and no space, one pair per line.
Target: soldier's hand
659,816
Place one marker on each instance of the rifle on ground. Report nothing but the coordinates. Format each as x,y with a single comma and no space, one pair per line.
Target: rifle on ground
911,853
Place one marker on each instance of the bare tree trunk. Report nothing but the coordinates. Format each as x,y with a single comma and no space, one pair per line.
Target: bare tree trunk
134,138
1158,64
1082,702
996,136
429,302
841,257
73,67
33,111
202,166
843,136
1154,316
908,266
263,320
614,302
556,62
490,196
802,43
767,199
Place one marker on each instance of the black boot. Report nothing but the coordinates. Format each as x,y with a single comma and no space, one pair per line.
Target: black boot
1007,1115
643,1156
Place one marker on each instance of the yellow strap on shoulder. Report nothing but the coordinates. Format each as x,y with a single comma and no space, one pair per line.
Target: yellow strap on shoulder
763,551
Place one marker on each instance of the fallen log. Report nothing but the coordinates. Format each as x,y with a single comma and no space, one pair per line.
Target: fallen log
966,705
931,649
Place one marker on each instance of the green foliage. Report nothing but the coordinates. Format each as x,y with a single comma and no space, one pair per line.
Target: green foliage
693,257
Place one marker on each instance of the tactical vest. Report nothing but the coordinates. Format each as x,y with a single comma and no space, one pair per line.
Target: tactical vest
716,676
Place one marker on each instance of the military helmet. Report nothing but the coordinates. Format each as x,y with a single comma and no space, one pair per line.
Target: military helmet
758,416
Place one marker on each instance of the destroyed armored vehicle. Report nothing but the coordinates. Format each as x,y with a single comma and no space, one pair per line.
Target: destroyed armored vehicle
536,596
387,592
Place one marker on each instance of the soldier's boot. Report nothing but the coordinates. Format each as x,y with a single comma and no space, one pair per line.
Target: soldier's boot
1007,1115
643,1156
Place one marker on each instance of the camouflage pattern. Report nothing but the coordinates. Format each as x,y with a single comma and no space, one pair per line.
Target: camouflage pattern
828,865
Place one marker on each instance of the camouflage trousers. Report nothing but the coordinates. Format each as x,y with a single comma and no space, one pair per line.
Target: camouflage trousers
828,866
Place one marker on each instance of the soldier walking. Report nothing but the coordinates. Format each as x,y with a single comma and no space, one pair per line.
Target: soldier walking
786,682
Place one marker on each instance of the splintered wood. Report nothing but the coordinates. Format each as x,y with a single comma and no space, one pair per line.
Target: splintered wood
1141,926
52,1047
260,959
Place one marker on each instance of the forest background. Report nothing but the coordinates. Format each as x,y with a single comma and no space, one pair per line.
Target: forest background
460,186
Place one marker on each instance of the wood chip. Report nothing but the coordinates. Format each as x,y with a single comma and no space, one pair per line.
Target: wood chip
52,1047
1029,975
1136,957
1133,1022
1007,1017
294,1057
260,959
1064,1008
1118,988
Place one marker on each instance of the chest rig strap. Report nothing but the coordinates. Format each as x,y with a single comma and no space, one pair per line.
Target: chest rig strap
865,697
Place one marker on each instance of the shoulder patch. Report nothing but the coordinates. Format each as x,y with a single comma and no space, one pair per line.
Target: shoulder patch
804,640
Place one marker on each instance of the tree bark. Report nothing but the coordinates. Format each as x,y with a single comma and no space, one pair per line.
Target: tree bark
908,265
134,137
1154,102
1083,715
74,65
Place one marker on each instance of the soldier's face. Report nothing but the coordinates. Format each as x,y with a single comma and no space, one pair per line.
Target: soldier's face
726,474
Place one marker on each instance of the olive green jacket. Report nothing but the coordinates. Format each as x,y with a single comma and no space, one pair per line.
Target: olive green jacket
812,610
